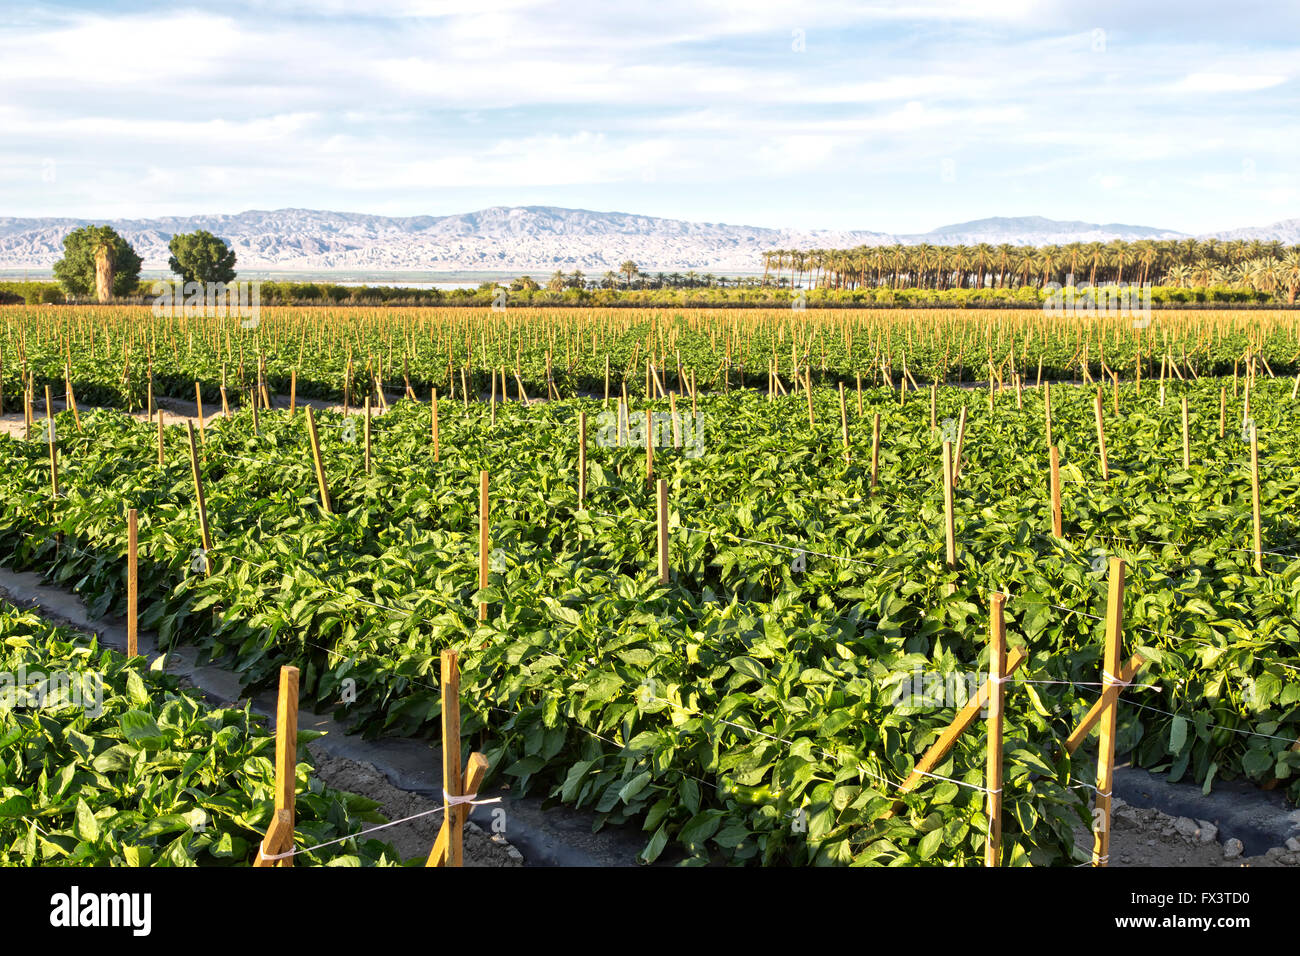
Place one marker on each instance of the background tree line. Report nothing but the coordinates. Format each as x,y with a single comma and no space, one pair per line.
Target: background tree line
1270,267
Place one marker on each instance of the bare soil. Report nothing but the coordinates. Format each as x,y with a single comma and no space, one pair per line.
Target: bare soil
415,838
1143,836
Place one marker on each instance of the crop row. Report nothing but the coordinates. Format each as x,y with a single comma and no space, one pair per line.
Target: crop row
750,707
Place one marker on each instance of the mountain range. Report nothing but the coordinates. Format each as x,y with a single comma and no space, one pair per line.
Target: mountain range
537,239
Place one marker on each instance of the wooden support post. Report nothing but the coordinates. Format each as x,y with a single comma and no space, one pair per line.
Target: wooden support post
475,770
198,407
484,540
661,504
326,504
1108,720
452,782
1223,409
1080,733
1055,489
199,500
279,839
433,420
967,716
997,664
132,584
1254,499
949,529
293,392
1101,438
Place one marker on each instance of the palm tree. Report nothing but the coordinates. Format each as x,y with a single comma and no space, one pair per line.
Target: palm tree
1005,252
1181,275
1094,251
1289,274
557,282
1120,256
629,269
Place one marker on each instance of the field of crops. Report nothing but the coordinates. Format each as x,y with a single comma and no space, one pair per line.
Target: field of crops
107,763
755,707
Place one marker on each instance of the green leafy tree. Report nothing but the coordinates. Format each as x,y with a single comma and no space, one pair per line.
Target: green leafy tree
97,260
201,257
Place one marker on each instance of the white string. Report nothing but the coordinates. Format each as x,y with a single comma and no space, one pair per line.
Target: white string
769,544
471,799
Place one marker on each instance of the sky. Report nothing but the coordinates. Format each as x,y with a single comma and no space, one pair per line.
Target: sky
892,117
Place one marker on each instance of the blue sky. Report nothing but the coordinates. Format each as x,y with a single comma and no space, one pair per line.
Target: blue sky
896,117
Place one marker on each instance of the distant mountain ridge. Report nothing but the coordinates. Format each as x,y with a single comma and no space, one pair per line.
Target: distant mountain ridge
539,239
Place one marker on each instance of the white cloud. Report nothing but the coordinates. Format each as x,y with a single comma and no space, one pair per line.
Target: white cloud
1227,82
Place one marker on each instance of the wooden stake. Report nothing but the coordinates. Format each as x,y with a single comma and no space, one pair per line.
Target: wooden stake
1055,487
1108,697
1101,438
132,584
949,529
475,770
452,783
997,664
162,459
198,405
326,504
279,839
1106,745
293,392
967,716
